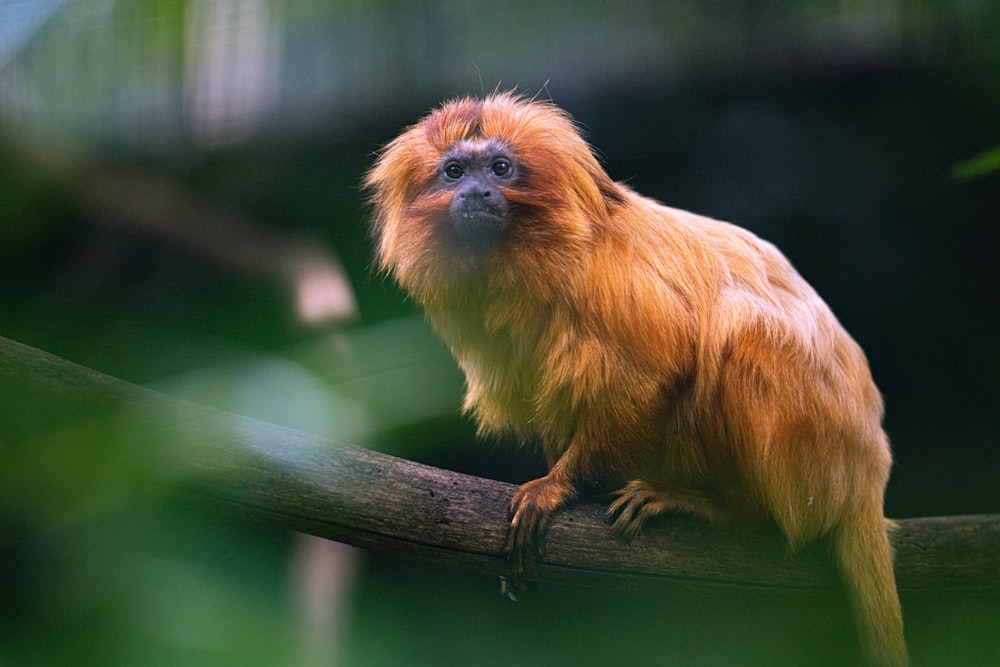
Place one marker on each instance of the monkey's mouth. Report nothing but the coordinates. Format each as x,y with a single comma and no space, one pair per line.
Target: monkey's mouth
480,226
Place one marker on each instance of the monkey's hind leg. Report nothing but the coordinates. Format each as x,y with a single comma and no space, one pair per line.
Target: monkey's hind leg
639,500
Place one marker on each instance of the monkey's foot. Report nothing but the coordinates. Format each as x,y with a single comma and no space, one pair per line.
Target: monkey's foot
640,500
529,515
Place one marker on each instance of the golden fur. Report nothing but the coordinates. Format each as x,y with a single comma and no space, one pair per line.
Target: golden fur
679,359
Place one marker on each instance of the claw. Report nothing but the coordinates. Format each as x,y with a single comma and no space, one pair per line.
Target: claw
508,588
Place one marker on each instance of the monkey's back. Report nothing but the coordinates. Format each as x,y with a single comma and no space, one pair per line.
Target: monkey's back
781,415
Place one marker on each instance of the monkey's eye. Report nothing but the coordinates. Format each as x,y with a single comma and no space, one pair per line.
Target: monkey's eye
500,168
453,171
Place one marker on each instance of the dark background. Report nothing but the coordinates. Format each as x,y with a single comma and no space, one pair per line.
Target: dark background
856,137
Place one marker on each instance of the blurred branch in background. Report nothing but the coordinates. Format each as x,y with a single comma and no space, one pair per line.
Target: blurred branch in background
155,206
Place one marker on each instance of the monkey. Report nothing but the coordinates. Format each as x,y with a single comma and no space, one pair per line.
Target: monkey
676,361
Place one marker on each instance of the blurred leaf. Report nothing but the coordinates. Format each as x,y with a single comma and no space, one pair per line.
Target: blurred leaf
976,167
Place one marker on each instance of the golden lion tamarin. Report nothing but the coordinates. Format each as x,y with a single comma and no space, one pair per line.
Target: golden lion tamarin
676,359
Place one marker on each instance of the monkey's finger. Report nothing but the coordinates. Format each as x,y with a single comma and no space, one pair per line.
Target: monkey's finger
525,539
625,513
622,509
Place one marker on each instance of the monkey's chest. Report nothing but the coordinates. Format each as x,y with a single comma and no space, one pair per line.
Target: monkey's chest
501,393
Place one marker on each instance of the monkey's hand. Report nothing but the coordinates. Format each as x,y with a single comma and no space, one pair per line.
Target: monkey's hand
530,510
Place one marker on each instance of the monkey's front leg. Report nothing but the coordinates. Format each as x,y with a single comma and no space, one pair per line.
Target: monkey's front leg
580,466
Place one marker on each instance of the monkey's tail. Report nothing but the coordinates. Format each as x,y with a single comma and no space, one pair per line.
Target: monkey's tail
864,555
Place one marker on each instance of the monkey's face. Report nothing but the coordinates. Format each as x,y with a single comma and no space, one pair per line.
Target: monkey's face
475,173
502,189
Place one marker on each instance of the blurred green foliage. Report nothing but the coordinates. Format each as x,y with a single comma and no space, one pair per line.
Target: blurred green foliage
983,164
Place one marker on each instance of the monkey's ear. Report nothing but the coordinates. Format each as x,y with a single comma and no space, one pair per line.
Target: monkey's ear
611,191
596,193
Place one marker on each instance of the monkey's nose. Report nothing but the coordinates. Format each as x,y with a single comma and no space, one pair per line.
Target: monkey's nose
473,194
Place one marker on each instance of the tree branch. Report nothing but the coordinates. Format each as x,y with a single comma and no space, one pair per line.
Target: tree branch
379,502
